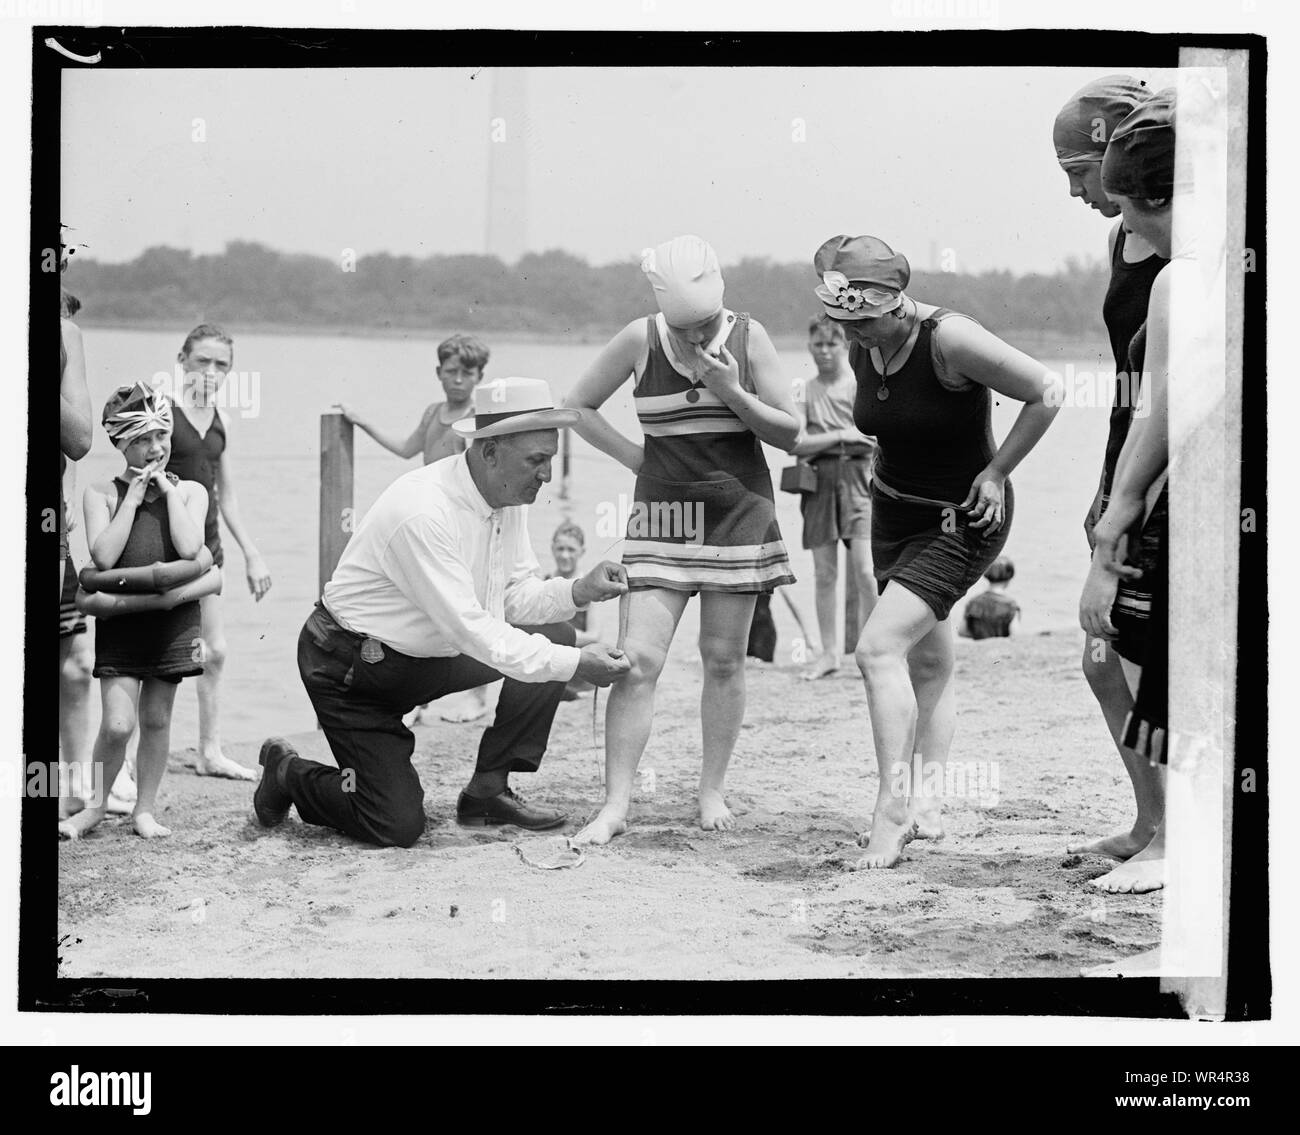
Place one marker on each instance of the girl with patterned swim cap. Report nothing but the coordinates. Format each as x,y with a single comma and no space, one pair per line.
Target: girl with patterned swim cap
941,507
708,388
142,517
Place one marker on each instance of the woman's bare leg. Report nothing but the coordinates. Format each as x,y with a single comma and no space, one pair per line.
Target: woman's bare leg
724,629
652,620
156,700
1105,672
930,666
897,623
119,697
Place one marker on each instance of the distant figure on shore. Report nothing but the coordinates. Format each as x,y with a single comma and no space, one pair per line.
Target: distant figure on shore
143,518
200,452
439,591
708,388
567,545
942,506
840,508
462,361
991,613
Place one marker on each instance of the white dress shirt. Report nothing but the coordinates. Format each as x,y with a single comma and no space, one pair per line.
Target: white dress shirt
434,571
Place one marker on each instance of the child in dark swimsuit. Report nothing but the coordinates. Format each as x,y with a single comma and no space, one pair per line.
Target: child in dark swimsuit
142,517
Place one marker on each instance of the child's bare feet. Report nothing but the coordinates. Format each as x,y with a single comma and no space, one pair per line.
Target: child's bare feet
467,706
826,665
215,763
76,826
715,816
145,825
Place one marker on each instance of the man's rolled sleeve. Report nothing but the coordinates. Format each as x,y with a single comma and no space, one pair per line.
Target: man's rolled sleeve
423,562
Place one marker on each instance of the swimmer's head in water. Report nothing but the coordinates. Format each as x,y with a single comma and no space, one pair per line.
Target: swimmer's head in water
1001,570
686,279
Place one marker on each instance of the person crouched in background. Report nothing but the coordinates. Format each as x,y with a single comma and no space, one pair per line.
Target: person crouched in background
991,613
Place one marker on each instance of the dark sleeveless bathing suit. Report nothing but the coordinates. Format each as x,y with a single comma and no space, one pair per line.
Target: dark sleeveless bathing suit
152,644
1124,311
196,458
932,443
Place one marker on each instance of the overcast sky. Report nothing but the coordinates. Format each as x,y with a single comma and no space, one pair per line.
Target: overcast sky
760,162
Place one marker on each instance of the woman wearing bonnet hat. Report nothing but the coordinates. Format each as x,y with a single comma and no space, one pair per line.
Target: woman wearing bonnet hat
708,388
941,507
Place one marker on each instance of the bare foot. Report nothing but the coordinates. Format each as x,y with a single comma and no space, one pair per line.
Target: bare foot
218,764
145,825
1137,876
601,830
1121,845
824,667
890,833
76,826
929,820
468,706
715,816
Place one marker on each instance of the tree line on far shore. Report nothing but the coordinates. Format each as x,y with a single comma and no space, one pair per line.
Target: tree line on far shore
548,293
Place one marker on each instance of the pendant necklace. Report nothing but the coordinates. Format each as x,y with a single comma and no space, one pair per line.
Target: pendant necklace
883,393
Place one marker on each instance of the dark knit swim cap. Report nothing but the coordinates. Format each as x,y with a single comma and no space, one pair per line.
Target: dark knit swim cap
1087,122
1139,161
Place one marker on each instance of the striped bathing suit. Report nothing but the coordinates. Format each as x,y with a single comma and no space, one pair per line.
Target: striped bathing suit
703,516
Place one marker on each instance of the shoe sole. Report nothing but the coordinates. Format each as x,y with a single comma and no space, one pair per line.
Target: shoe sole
267,817
493,822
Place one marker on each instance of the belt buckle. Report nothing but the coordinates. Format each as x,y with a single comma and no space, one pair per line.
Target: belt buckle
372,650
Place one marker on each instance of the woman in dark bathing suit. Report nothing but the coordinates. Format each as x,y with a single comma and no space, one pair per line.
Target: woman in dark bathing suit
941,508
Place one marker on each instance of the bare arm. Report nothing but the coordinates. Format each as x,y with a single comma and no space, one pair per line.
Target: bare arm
106,530
612,367
979,356
259,579
75,421
409,447
187,509
769,412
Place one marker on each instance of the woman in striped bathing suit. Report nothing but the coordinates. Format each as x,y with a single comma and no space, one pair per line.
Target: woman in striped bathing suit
941,508
708,388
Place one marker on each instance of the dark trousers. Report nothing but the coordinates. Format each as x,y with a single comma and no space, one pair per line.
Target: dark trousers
375,795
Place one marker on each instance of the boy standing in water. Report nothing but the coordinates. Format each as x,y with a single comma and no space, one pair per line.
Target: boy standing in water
461,362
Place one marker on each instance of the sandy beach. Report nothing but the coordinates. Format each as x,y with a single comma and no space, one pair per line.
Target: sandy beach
776,898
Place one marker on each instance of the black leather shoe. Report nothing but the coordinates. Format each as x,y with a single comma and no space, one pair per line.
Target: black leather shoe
505,808
270,801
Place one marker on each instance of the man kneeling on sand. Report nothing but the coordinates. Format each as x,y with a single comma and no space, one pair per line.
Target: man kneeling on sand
439,591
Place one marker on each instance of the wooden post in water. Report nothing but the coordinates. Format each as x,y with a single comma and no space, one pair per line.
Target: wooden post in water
336,517
850,605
